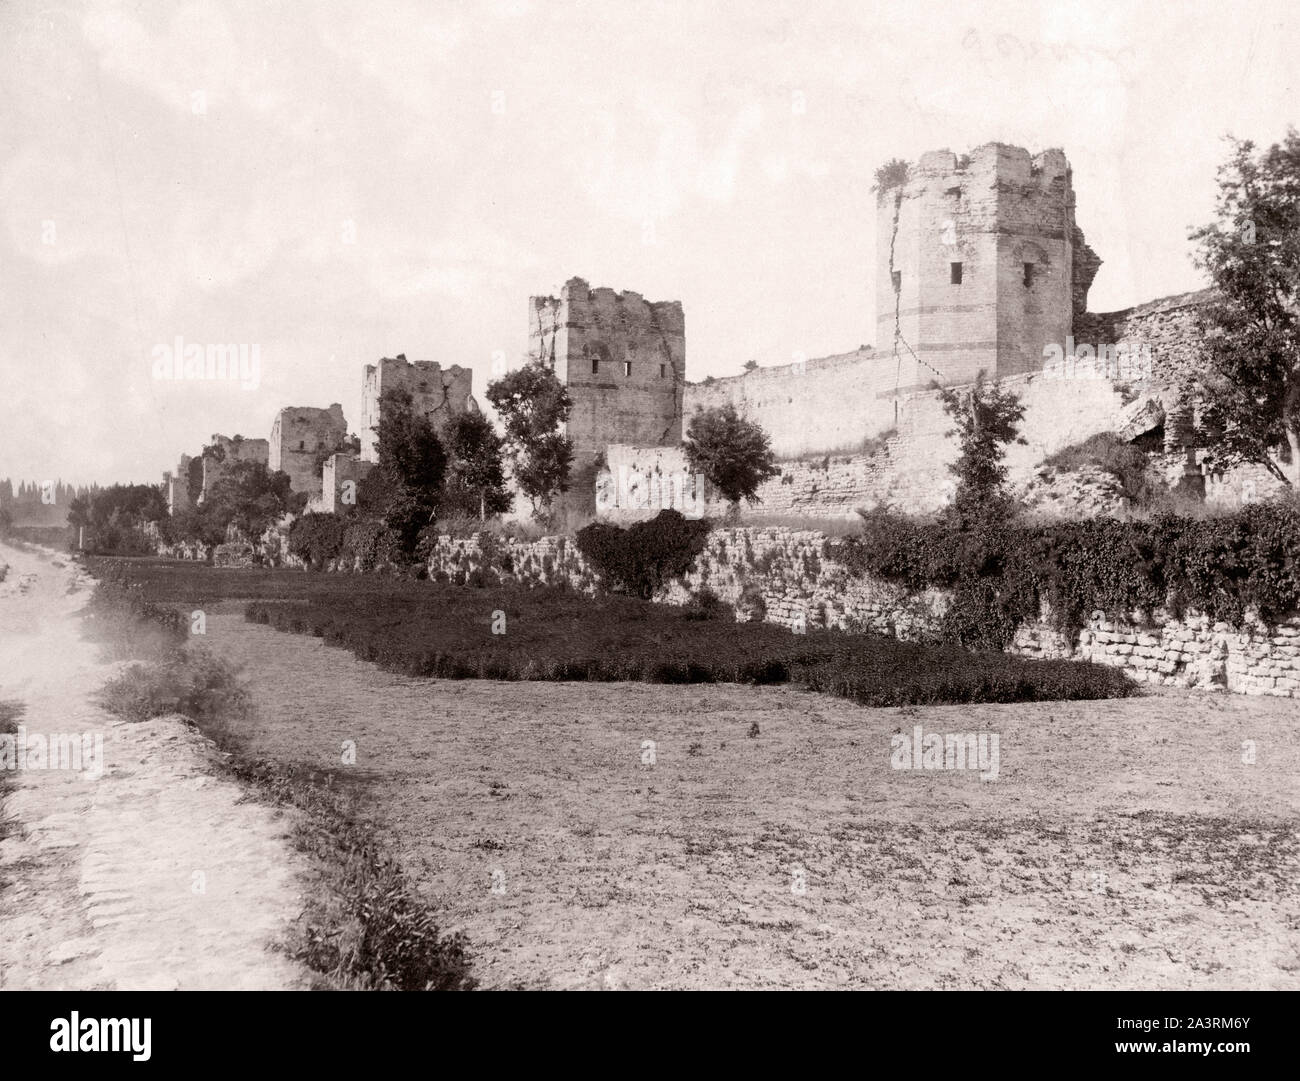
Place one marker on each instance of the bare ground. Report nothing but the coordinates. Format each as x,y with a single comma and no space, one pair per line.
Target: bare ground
1126,844
158,875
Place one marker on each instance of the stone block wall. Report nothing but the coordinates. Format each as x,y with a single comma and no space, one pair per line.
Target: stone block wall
787,577
623,360
908,466
298,435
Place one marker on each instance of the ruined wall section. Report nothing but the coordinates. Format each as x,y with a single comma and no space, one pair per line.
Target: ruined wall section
224,451
298,436
176,487
437,393
340,477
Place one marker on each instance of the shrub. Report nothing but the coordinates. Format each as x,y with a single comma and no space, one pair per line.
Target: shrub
640,559
193,683
316,539
705,604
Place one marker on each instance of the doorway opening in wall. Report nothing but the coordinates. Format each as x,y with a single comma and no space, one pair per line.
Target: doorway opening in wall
954,273
627,368
1029,275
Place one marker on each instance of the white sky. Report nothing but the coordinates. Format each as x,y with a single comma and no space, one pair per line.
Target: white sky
486,152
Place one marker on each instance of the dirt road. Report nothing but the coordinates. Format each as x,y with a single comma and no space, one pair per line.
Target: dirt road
155,874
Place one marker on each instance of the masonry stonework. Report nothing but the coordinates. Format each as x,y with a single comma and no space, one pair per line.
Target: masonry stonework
788,577
223,452
299,435
976,264
437,393
623,360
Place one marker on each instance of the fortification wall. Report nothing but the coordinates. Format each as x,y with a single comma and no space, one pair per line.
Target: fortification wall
340,476
828,404
217,462
908,469
789,578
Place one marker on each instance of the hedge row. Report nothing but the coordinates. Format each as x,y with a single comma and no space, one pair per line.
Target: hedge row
1001,573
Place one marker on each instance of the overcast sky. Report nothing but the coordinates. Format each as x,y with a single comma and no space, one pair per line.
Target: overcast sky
335,182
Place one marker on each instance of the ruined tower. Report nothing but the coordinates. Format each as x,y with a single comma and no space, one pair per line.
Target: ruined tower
299,435
436,392
980,265
623,359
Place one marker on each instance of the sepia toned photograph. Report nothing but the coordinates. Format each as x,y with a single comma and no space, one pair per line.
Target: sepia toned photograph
551,495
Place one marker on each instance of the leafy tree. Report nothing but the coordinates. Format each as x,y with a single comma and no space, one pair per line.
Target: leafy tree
409,450
893,174
250,497
316,538
404,489
733,453
1247,391
988,418
533,404
115,518
476,482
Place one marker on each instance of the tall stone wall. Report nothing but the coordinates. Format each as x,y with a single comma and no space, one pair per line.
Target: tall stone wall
298,436
827,404
437,393
907,469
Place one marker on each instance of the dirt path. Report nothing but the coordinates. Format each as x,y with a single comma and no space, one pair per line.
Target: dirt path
155,875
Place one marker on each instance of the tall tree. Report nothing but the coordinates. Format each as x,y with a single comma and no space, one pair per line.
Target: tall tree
1247,390
476,481
987,421
734,454
532,404
405,487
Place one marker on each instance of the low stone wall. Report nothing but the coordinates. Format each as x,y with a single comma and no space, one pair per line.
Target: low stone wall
547,561
788,577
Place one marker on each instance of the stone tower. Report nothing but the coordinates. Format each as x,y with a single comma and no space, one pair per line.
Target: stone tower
623,359
298,436
436,392
980,265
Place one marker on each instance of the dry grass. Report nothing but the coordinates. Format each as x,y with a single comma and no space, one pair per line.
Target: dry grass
1124,845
